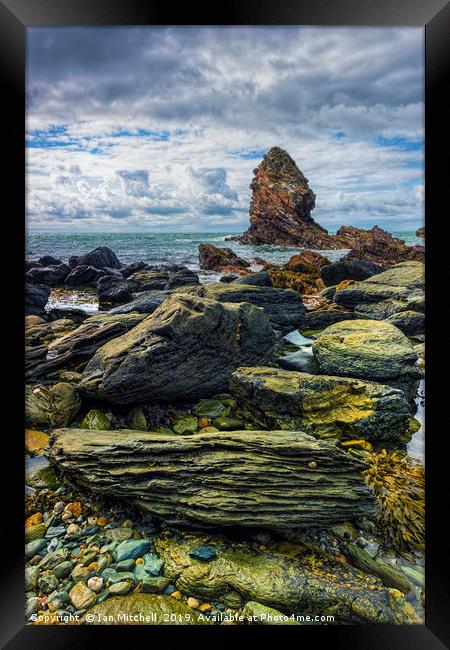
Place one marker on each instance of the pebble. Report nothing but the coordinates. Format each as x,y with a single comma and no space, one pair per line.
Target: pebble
95,583
120,588
34,520
32,606
125,565
203,553
131,548
73,529
154,585
32,548
168,591
74,508
63,570
102,521
47,583
81,596
176,595
92,521
206,607
31,578
193,603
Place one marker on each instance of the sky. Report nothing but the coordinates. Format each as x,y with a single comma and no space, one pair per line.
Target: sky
160,128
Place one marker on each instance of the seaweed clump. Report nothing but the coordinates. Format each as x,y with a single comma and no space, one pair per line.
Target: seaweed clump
399,486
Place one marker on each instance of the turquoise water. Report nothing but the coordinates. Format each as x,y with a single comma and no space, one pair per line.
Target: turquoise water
174,248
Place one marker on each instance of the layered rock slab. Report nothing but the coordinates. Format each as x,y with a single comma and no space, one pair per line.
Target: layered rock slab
271,479
185,350
323,406
284,307
400,288
289,577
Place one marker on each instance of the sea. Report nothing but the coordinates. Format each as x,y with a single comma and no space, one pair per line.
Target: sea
164,248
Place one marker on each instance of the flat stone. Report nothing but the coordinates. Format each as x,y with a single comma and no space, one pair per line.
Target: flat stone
131,548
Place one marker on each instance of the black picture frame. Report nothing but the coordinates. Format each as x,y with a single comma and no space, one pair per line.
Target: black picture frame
434,16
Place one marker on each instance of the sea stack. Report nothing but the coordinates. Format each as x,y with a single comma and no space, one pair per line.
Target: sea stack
280,209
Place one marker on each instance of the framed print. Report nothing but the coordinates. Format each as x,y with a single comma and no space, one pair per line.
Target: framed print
227,303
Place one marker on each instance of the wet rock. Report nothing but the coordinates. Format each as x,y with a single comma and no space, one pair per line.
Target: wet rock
208,408
213,258
229,277
150,280
297,581
36,297
367,349
134,267
186,349
284,307
131,548
85,276
81,596
277,478
345,269
281,205
49,260
143,609
308,262
301,361
321,405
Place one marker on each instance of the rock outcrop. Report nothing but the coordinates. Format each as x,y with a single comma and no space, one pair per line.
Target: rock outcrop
400,288
420,232
367,349
280,209
284,308
377,246
290,577
323,406
186,349
99,258
271,479
225,260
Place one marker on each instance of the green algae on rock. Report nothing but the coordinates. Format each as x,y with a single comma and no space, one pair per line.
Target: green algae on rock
368,349
298,583
240,478
95,419
143,609
321,405
185,350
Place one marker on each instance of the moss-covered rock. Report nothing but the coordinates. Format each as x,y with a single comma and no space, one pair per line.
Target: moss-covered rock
95,419
185,350
368,349
137,419
296,582
143,609
51,406
304,283
322,405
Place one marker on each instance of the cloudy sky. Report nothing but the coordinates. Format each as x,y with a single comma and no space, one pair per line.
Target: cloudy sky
159,129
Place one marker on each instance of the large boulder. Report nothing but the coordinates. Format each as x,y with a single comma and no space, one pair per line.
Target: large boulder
213,258
36,297
99,258
377,246
143,609
368,349
309,262
280,209
51,275
346,269
284,307
321,405
274,479
411,323
290,577
49,260
79,345
150,279
186,349
400,288
144,302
